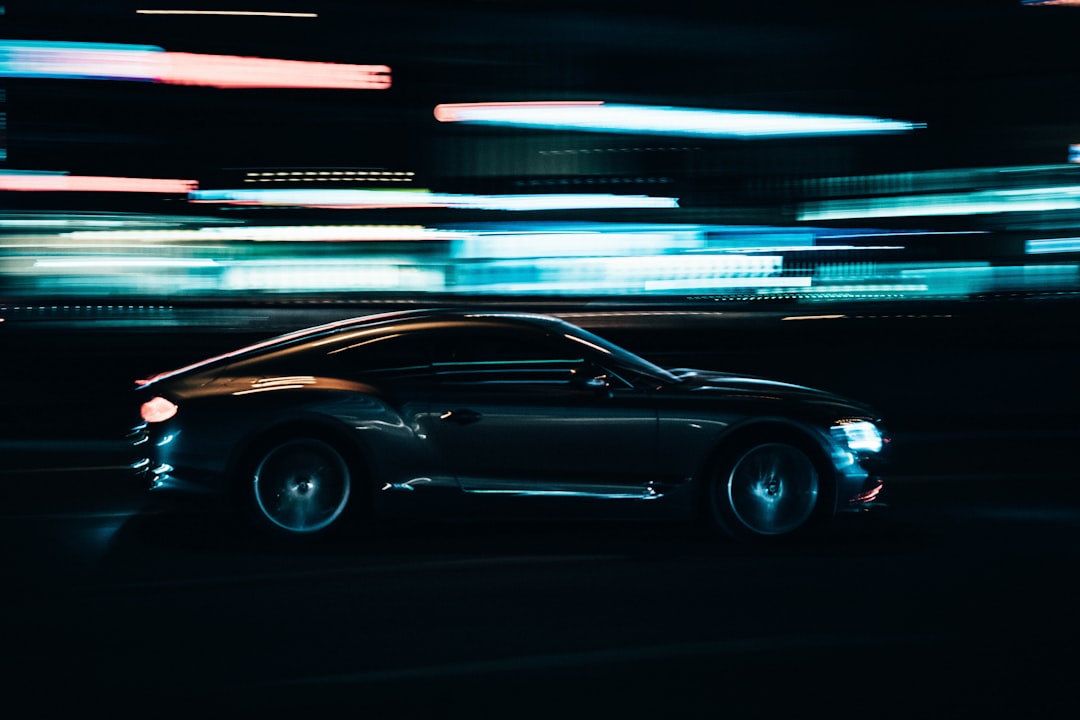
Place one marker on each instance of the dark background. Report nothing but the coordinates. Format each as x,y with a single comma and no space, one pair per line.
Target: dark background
992,79
956,600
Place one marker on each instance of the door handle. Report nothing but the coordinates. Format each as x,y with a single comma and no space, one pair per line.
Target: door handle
462,416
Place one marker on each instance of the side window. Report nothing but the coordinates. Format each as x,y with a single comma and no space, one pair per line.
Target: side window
383,356
506,355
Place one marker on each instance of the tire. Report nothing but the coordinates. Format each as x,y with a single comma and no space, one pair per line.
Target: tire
300,486
767,489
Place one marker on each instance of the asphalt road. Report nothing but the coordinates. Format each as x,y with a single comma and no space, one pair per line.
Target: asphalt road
957,598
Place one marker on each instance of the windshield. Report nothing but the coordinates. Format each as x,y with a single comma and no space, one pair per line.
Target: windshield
621,356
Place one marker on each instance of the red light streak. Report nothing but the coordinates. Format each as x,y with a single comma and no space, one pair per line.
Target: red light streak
94,183
233,71
97,61
868,496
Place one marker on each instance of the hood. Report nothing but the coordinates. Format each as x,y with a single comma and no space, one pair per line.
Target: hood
707,381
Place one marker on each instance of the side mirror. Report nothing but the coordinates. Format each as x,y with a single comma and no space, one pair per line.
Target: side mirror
589,377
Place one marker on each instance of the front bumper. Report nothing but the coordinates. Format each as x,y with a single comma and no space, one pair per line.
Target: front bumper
860,482
866,496
860,453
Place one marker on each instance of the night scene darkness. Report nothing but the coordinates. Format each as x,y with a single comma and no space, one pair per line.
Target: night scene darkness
505,359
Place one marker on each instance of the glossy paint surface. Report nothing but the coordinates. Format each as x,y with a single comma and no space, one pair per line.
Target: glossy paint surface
490,403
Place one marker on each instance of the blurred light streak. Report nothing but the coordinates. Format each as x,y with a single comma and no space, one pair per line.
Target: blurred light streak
540,243
564,202
1074,153
713,283
814,317
159,256
60,220
50,223
980,277
121,262
149,63
342,274
1052,245
1062,3
52,246
318,198
1046,199
60,182
811,248
359,199
284,233
231,71
629,274
70,60
872,288
242,13
903,233
598,116
330,176
512,239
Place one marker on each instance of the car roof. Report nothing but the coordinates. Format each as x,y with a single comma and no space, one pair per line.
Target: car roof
392,318
356,323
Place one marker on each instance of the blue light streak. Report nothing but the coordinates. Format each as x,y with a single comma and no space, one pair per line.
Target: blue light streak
79,61
1052,245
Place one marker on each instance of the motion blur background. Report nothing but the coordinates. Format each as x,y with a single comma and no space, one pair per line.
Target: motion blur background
640,151
682,177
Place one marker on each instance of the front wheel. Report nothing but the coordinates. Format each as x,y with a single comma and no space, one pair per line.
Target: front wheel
768,489
300,486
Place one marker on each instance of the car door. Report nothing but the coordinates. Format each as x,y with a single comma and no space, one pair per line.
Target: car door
513,414
390,406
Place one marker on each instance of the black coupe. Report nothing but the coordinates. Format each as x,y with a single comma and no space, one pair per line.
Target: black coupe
306,431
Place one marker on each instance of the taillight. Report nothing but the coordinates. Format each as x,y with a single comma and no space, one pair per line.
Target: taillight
157,410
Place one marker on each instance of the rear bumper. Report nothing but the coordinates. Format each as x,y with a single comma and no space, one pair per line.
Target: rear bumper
154,461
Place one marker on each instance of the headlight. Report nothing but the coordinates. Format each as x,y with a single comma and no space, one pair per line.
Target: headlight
860,435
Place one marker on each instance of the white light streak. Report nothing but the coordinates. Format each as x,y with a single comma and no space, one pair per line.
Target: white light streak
344,274
597,116
283,233
727,282
121,263
810,248
814,317
359,199
243,13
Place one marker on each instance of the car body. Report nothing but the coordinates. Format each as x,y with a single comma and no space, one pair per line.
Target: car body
305,430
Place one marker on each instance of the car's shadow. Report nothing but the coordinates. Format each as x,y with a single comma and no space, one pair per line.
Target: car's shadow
508,529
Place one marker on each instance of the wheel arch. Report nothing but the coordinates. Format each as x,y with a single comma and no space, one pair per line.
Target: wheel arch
247,451
745,435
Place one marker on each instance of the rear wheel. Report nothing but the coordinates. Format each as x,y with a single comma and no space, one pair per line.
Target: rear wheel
765,490
300,486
